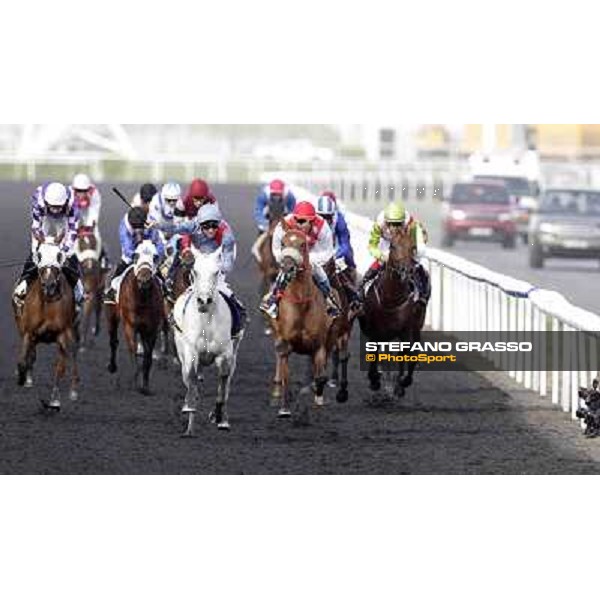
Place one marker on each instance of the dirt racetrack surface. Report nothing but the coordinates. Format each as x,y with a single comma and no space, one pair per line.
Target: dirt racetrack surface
453,423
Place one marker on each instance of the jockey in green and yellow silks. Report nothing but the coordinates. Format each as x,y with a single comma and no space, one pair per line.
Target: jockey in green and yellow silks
393,217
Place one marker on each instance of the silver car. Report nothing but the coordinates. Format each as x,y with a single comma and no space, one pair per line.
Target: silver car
566,225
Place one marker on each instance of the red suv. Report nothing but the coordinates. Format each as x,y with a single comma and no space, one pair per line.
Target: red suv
479,210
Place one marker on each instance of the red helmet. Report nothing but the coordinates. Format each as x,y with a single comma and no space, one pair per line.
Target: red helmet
329,194
199,189
277,187
306,211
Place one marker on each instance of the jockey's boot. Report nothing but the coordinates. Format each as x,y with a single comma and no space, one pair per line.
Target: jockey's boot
333,310
368,278
423,292
168,290
244,320
20,293
110,295
270,305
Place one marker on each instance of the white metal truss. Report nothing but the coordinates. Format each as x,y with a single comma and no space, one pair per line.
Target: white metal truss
43,140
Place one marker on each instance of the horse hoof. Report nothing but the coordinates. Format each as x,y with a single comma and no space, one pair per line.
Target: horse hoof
186,410
268,332
145,392
74,396
29,382
375,386
53,406
319,401
342,396
332,383
284,413
112,369
224,426
82,350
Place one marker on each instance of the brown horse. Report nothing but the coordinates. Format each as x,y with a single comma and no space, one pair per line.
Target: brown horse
182,280
263,252
141,309
343,328
390,310
92,277
48,317
302,326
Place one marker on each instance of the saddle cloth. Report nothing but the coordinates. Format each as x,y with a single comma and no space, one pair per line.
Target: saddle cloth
236,317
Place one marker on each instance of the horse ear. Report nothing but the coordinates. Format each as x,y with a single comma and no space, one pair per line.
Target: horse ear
285,225
60,238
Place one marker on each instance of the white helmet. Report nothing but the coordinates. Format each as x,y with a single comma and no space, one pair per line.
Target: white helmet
171,191
81,182
55,195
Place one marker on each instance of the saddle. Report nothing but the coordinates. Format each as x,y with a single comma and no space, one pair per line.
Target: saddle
237,322
118,281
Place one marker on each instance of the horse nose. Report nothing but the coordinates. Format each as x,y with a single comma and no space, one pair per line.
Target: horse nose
209,301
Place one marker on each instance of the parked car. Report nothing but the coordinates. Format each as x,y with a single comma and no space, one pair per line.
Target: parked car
566,225
479,210
524,194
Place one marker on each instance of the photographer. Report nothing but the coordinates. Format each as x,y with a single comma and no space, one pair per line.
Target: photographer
591,413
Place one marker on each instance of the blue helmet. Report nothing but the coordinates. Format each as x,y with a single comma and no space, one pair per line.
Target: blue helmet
209,213
326,206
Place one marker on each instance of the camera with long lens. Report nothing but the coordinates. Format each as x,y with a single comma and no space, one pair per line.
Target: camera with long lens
590,413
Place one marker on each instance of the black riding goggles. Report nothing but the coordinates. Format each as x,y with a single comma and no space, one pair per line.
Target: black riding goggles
210,225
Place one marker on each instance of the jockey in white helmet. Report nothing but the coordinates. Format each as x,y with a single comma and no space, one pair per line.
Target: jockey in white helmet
53,216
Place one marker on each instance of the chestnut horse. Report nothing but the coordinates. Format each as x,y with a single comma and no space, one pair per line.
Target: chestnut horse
140,307
48,317
390,311
302,326
88,253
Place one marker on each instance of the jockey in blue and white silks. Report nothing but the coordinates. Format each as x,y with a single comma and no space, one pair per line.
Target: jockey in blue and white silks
53,215
132,232
209,232
328,209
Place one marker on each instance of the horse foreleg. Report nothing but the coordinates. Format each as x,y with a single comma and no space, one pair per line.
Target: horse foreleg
344,357
59,372
25,361
335,370
88,308
319,377
374,377
149,342
130,339
406,382
284,371
221,417
72,346
277,393
98,312
113,332
188,374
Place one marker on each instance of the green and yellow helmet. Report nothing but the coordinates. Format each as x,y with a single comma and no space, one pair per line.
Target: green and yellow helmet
395,213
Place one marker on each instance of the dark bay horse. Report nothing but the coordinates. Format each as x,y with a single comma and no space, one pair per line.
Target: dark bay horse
48,317
182,280
140,307
263,251
302,326
342,328
390,310
92,277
